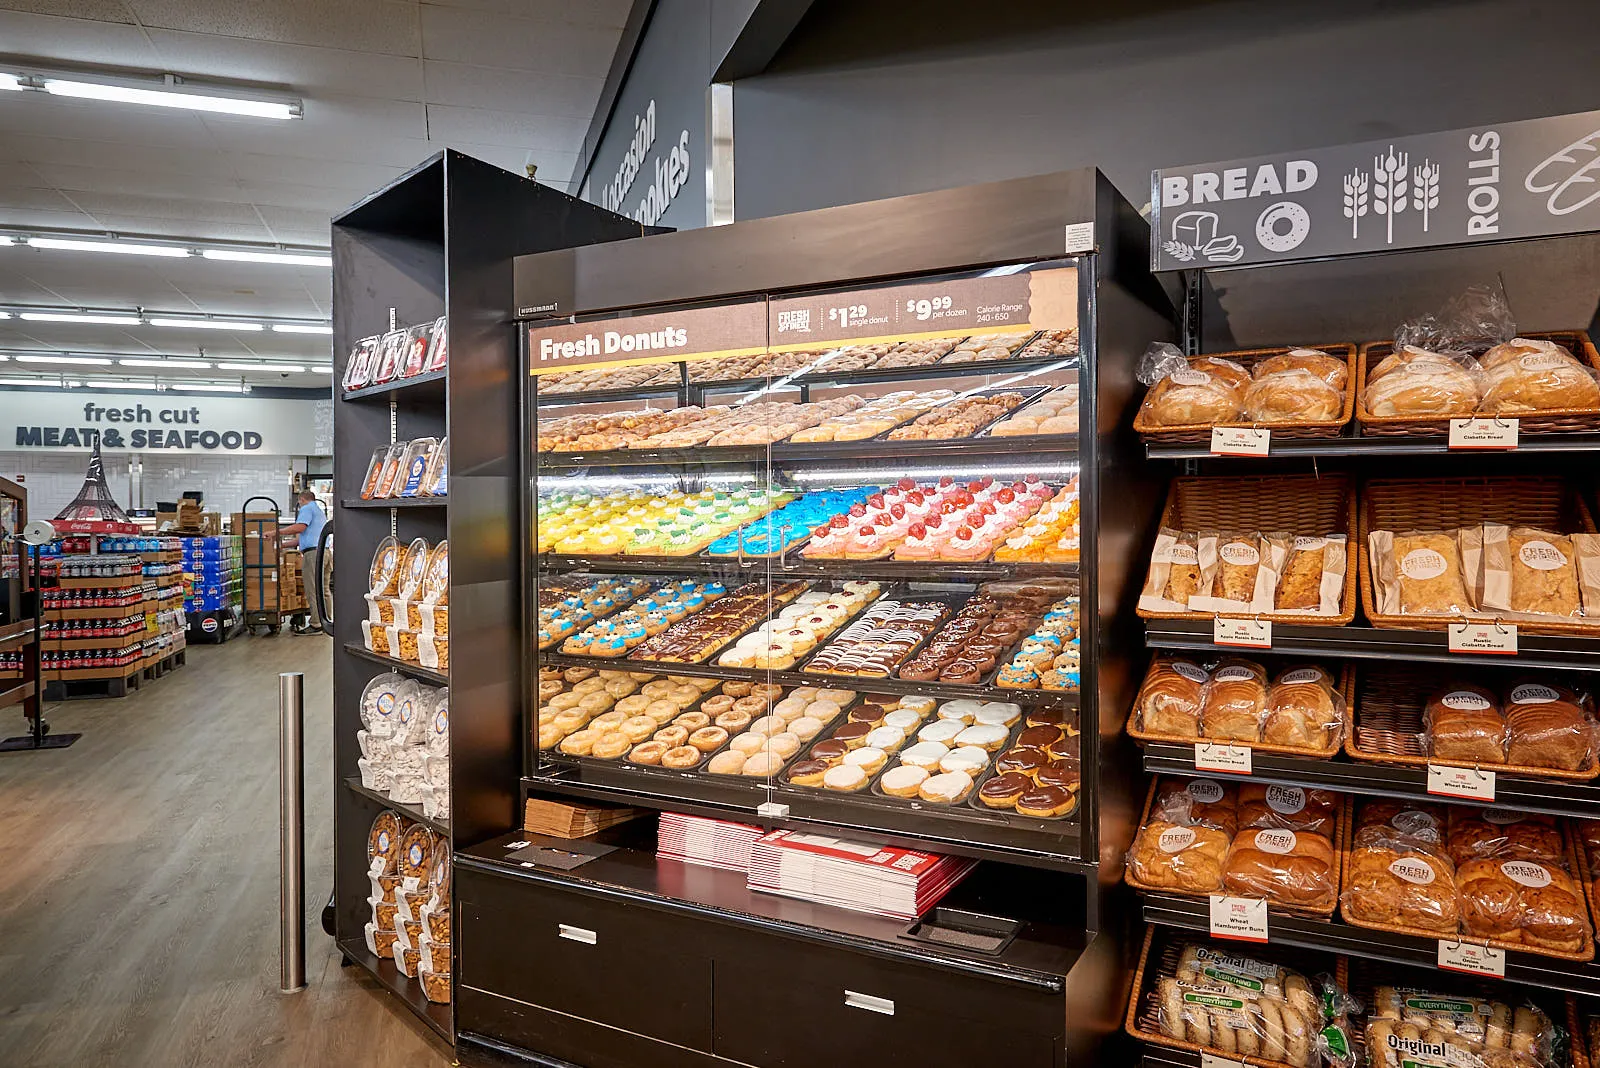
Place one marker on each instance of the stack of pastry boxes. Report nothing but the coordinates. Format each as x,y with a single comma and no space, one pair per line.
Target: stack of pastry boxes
409,866
405,743
408,610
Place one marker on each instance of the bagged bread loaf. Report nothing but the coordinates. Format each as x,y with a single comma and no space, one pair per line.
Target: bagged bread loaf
1304,709
1178,857
1524,375
1500,834
1238,571
1235,701
1549,726
1529,572
1463,721
1294,808
1415,381
1407,820
1293,395
1197,801
1174,577
1399,881
1201,390
1408,1025
1334,372
1172,696
1311,578
1296,869
1522,901
1419,573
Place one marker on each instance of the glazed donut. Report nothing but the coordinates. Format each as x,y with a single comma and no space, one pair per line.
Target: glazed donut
608,721
577,674
661,711
632,706
580,743
767,691
716,706
638,728
658,688
673,735
767,725
838,697
620,688
684,696
548,689
590,685
736,689
611,745
693,720
708,739
571,720
647,752
563,701
763,764
751,705
596,702
682,756
729,763
733,722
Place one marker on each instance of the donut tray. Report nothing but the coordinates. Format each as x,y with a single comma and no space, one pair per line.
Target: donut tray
794,588
952,596
782,769
884,590
555,754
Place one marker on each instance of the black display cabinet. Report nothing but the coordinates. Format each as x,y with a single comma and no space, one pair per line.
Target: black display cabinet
736,976
439,240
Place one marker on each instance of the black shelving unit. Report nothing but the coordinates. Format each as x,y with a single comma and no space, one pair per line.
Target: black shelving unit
510,1001
438,240
411,812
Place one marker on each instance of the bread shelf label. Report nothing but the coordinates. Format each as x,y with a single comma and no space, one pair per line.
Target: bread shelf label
1483,433
1470,783
1211,1060
1498,639
1250,633
1241,918
1234,759
1240,441
1472,958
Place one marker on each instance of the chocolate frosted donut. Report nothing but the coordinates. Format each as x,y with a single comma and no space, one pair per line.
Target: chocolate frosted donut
1056,775
1024,761
1002,791
831,749
1041,737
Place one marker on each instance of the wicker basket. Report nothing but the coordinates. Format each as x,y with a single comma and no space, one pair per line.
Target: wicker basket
1341,822
1303,504
1578,1034
1449,503
1346,689
1579,873
1200,433
1388,724
1159,958
1550,421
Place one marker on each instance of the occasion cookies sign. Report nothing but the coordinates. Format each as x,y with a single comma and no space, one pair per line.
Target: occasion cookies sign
1536,178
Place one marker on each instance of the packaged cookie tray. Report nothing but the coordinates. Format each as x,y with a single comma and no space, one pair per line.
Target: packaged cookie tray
973,801
1387,724
1347,689
1446,504
1200,433
1159,960
1365,977
1548,421
951,595
1342,819
1579,872
1301,504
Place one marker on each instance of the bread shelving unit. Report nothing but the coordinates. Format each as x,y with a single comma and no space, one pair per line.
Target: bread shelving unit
701,931
1361,297
437,241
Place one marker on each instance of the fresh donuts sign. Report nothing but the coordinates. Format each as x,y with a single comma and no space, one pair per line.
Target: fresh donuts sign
1536,178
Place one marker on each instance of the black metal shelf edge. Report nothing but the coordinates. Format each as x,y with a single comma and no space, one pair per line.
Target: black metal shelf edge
836,815
413,812
1380,446
408,990
1332,936
810,452
798,567
397,502
432,382
1384,780
547,399
403,667
805,678
1372,643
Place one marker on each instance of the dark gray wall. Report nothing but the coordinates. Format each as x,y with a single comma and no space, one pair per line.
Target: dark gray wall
873,98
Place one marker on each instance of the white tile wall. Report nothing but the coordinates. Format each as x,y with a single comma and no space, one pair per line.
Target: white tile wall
53,479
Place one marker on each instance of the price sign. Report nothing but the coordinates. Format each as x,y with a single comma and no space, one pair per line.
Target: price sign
1234,759
1483,433
927,308
1472,959
1240,441
1241,918
1211,1060
1250,633
1469,783
848,314
1491,638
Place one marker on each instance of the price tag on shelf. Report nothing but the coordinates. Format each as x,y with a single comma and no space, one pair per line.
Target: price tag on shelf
1241,918
1234,759
1240,441
1471,958
1211,1060
1080,238
1483,433
1251,633
1470,783
1498,639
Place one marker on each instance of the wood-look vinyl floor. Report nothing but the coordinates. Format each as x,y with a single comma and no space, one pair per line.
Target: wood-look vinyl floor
139,882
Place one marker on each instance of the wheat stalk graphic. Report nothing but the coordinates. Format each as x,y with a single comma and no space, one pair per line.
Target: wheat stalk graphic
1425,190
1356,185
1179,251
1389,187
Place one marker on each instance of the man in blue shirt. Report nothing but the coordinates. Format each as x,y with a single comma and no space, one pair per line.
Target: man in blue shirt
308,524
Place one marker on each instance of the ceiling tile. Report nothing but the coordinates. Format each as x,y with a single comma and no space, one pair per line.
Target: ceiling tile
73,40
494,40
535,133
305,70
536,92
388,26
608,14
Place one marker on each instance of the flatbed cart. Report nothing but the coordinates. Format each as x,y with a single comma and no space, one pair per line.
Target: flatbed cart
260,609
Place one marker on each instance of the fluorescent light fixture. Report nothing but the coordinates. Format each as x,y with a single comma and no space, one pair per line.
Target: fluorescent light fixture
7,240
74,317
120,247
108,383
167,98
305,259
208,387
95,361
207,324
192,365
11,82
320,370
301,328
289,368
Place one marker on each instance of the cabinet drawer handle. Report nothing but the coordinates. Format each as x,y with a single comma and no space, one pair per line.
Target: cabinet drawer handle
868,1002
576,934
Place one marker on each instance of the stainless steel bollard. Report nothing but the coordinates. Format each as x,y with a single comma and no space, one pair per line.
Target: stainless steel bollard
291,832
